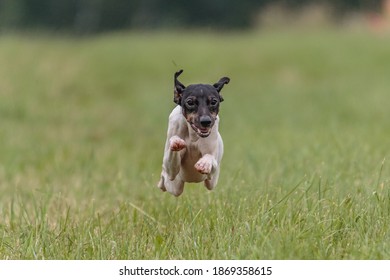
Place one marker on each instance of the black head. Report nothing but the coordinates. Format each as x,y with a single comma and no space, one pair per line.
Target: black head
200,103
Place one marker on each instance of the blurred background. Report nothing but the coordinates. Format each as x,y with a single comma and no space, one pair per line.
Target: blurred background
93,16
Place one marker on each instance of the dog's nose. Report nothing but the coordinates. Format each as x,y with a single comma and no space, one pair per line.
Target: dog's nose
205,121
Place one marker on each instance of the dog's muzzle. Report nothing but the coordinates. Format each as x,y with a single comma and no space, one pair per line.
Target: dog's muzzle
205,121
202,132
204,127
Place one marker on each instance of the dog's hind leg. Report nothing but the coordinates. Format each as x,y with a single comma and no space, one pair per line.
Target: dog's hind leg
174,187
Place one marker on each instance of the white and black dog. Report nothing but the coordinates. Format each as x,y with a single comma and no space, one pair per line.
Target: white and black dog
194,147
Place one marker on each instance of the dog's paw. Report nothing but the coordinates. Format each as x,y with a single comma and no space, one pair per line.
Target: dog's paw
204,165
176,144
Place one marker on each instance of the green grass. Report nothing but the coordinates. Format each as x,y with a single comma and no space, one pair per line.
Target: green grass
306,127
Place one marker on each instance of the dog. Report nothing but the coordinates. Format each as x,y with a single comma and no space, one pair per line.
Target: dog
194,147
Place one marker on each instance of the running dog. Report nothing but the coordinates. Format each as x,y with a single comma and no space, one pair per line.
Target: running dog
194,147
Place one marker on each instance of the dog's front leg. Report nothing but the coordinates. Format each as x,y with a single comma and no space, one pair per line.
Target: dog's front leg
207,165
172,158
171,167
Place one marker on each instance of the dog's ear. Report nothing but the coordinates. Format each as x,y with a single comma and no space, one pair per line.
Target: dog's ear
179,88
219,85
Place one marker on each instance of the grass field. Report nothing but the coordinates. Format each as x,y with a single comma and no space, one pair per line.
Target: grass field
306,127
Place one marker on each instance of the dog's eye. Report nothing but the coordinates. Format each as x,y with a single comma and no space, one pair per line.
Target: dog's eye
190,103
213,102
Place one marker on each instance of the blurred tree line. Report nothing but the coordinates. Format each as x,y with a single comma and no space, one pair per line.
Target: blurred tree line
90,16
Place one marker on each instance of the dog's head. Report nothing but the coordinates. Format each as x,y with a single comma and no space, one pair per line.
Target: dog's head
200,103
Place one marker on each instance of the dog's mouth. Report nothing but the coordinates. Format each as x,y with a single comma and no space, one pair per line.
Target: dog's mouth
201,131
